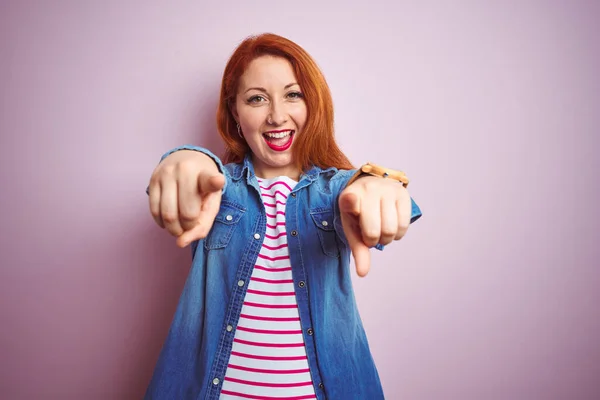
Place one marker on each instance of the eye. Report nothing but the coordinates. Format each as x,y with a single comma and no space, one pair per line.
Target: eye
256,99
295,95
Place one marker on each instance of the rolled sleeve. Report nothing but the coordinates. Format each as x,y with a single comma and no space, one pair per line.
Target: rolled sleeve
415,211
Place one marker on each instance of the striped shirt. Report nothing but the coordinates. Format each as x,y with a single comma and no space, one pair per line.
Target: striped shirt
268,358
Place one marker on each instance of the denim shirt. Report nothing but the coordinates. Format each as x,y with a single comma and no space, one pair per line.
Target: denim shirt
195,355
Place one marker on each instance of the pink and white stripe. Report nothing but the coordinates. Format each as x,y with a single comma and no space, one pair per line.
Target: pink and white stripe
268,358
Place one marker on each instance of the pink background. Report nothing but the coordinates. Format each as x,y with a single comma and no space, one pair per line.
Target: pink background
492,110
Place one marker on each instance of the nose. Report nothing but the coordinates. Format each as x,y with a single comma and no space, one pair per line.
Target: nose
277,115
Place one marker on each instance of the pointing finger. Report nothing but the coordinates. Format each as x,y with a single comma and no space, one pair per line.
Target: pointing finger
208,213
208,183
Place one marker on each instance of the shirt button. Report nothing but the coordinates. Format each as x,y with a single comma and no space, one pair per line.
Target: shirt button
301,284
240,283
293,194
229,218
309,331
216,381
294,233
324,223
256,236
321,386
229,328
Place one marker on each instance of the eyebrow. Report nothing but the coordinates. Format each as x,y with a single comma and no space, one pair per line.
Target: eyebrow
289,85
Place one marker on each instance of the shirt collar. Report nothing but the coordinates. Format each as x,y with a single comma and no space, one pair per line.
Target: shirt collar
246,169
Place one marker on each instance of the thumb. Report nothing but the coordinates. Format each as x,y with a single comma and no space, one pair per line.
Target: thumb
188,237
350,210
208,183
349,203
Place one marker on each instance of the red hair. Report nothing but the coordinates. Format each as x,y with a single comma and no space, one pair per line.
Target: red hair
316,145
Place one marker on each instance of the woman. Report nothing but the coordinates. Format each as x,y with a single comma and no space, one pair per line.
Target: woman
268,309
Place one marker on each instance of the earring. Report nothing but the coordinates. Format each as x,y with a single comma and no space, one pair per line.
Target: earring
239,131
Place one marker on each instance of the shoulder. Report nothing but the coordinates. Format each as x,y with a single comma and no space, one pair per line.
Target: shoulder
233,168
331,180
343,175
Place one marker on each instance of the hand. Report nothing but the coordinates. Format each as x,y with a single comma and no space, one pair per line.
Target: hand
185,195
373,210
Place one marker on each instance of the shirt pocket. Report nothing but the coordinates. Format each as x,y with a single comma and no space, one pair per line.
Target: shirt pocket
323,219
224,225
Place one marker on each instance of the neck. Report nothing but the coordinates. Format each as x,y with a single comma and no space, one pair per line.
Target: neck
267,172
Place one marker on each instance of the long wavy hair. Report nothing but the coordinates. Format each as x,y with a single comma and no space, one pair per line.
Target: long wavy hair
316,144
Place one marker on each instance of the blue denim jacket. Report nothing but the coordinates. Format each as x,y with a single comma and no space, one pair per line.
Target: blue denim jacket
195,354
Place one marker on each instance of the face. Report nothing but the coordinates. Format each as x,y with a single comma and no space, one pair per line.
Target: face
271,111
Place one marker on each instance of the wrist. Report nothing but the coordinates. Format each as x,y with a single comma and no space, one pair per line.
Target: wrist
370,169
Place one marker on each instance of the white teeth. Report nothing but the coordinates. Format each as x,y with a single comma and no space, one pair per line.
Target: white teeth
278,135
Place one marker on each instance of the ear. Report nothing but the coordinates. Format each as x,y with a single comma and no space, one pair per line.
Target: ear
233,109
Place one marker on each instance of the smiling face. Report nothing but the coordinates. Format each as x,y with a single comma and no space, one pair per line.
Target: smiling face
271,112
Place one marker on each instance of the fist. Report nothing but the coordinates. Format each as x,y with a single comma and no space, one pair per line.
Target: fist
185,195
374,211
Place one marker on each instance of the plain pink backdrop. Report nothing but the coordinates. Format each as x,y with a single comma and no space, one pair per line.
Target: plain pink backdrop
491,109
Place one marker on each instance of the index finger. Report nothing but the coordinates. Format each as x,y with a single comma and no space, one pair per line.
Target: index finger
208,212
360,251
